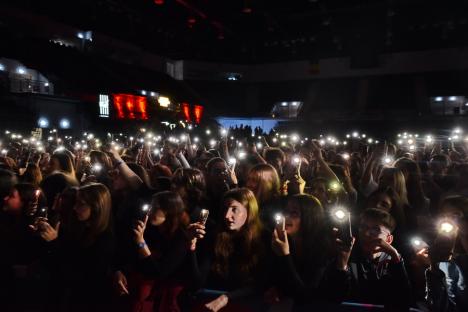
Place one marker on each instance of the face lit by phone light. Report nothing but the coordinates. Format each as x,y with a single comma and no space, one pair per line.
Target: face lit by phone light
12,202
370,232
235,215
82,209
292,215
156,216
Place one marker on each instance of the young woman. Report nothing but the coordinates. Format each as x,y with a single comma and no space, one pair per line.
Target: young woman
61,162
32,175
232,260
81,253
410,169
190,185
264,182
22,248
301,249
161,244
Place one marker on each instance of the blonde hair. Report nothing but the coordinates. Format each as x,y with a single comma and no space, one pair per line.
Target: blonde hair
264,181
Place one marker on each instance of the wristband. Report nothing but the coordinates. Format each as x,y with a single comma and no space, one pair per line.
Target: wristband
141,245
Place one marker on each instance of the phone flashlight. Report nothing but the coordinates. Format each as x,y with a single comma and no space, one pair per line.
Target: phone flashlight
345,156
387,160
232,161
204,213
342,220
334,186
280,222
145,208
96,167
446,227
296,160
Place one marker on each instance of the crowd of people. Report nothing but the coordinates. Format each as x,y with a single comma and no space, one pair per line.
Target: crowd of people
232,222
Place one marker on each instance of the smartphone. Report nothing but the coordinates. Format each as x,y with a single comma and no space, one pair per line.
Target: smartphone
444,243
280,222
42,213
143,212
342,221
204,213
418,244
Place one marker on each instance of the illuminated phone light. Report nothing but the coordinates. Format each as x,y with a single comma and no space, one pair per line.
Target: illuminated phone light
387,160
410,141
446,227
232,161
335,186
412,148
296,160
340,214
145,207
345,155
417,242
242,155
279,218
259,145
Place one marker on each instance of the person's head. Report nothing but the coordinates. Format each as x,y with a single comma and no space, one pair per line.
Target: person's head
395,179
319,189
99,157
383,198
54,184
216,172
455,206
241,221
375,224
157,171
190,185
32,175
240,211
7,181
276,158
439,165
409,168
21,199
264,182
93,206
168,211
61,161
304,216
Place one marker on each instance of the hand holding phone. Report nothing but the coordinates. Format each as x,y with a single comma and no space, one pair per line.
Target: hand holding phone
342,222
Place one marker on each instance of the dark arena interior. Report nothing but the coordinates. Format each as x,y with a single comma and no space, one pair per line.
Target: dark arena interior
233,155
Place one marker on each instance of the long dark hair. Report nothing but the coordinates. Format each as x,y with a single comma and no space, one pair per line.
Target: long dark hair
174,209
98,198
312,225
193,182
249,237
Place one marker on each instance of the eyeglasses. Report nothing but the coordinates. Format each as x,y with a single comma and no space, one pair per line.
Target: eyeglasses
373,231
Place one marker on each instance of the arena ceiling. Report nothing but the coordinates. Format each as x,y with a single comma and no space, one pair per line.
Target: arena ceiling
256,31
